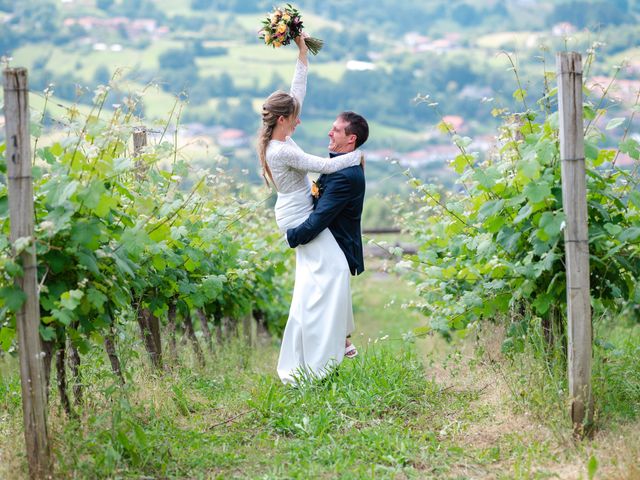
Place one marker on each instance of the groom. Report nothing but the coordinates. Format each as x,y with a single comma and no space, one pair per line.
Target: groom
339,198
338,204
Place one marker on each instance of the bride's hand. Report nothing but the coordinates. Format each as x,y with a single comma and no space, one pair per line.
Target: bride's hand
300,42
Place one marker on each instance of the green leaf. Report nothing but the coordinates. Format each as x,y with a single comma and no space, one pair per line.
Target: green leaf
630,235
613,230
47,155
524,213
537,192
590,149
160,233
529,169
135,240
86,234
461,162
47,333
13,297
588,112
520,94
634,198
63,316
159,263
21,244
71,299
56,149
487,177
490,208
508,238
7,334
96,298
604,155
461,142
92,195
190,265
592,467
65,193
631,148
542,303
104,206
422,331
124,265
614,123
551,223
87,259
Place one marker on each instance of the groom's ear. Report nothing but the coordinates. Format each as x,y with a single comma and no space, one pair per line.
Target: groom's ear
352,138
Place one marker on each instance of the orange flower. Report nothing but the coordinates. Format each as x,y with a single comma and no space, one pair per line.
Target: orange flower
316,190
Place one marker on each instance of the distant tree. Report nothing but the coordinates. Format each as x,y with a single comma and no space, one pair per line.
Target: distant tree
465,14
202,4
102,75
276,83
104,4
175,58
499,9
9,40
39,20
200,50
586,14
240,6
178,80
191,22
223,107
226,87
622,5
40,62
243,116
139,9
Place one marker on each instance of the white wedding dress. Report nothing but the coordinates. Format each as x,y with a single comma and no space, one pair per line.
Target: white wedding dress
321,314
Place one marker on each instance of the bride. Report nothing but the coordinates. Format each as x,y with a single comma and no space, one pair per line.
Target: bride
320,316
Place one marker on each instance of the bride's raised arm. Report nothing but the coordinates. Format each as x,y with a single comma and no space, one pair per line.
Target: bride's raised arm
299,82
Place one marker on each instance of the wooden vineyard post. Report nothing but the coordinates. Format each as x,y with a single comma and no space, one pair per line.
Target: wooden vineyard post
576,237
32,375
139,142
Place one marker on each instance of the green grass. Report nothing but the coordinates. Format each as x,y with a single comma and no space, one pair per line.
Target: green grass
82,63
399,410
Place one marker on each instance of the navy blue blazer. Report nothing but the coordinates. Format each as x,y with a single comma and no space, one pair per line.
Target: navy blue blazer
340,209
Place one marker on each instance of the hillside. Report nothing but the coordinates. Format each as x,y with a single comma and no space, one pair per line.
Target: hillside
376,60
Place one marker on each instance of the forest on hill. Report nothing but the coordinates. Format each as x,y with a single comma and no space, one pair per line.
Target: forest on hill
465,58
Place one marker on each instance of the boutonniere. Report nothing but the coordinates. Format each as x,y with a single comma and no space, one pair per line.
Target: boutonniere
316,189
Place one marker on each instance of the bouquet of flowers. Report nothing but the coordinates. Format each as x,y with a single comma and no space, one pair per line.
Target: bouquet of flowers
283,25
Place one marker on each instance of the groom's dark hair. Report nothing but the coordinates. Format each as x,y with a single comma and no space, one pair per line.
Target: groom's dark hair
358,126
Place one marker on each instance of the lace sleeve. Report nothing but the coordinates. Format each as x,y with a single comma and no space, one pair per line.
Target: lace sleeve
299,82
304,162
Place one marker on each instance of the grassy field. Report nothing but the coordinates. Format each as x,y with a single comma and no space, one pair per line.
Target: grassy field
401,409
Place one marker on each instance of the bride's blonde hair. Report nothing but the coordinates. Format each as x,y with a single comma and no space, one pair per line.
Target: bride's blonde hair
278,104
